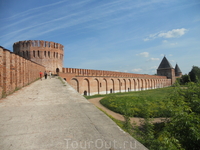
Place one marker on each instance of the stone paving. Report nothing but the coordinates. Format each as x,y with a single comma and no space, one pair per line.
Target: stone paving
50,115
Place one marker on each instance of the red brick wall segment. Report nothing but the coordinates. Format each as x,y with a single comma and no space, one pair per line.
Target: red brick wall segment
16,71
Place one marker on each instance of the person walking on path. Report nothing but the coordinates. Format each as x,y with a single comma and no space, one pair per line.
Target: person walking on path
45,75
40,75
50,74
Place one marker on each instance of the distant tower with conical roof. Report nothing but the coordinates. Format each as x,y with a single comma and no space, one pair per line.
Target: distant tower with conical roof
166,69
178,72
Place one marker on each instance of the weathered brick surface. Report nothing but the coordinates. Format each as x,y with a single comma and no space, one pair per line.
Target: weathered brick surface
169,73
1,71
48,54
92,82
6,71
16,72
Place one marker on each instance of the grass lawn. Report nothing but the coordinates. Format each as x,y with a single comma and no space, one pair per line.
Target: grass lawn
138,103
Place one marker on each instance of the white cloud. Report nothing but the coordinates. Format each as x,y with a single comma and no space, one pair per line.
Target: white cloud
154,67
146,39
173,44
143,54
175,33
137,70
172,61
164,41
154,59
169,43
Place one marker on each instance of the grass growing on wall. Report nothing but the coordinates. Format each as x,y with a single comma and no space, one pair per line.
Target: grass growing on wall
61,81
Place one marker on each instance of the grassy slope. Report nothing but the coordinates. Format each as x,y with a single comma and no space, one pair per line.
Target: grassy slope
138,102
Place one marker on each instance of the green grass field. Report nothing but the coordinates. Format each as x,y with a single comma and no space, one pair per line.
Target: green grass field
136,104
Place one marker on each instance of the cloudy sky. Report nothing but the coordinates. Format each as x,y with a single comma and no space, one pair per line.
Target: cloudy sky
116,35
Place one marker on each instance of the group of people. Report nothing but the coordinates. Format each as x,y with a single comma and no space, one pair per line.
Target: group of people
45,75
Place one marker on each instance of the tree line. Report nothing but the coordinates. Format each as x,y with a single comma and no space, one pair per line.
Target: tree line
192,76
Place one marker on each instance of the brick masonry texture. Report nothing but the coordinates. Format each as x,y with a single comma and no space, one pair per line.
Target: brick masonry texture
48,54
16,72
19,69
91,82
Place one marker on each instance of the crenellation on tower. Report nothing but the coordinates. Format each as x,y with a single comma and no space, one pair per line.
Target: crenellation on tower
32,43
48,54
51,44
41,43
37,43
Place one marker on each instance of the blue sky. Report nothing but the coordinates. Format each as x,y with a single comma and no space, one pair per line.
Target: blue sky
116,35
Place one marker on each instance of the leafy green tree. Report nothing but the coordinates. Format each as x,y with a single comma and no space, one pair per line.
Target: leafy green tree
184,79
194,74
181,131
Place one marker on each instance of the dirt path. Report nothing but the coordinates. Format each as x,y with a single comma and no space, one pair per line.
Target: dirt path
118,116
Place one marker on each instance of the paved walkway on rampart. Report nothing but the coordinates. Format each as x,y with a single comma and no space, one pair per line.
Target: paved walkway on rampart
48,115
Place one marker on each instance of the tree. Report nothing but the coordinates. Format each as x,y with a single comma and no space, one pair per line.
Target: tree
184,79
184,125
181,131
194,74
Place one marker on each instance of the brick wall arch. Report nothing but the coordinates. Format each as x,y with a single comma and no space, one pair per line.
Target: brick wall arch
129,85
112,88
75,84
123,85
150,84
85,87
146,84
154,84
138,85
104,86
134,85
119,85
142,84
95,86
109,81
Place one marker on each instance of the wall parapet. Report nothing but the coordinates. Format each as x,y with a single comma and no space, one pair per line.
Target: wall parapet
48,54
37,43
103,73
16,71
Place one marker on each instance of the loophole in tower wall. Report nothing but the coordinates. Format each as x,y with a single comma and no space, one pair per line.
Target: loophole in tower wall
48,54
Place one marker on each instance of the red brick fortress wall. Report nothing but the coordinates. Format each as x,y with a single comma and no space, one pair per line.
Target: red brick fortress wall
16,72
90,82
48,54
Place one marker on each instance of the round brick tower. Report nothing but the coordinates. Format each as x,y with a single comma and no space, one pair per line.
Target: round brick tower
48,54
